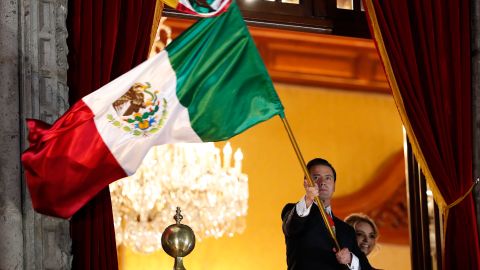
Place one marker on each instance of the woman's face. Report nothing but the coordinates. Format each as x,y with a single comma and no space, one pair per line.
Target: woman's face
366,237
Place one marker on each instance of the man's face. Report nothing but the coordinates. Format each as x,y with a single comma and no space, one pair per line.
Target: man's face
323,176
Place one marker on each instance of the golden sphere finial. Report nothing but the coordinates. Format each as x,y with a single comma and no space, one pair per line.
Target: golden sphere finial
178,240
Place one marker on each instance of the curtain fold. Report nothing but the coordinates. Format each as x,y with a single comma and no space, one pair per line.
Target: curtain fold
106,39
425,49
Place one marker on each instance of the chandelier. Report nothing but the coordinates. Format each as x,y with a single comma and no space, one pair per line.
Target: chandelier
211,192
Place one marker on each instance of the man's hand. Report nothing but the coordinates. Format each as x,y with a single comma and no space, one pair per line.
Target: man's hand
310,192
343,256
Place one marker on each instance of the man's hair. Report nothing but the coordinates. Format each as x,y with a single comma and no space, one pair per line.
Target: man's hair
321,161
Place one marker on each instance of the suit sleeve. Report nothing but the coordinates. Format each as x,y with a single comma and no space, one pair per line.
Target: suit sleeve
292,223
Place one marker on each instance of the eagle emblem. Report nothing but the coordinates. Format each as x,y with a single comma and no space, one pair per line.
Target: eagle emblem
138,110
133,98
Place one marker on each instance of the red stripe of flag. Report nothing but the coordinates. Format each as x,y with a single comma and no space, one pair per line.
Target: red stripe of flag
67,163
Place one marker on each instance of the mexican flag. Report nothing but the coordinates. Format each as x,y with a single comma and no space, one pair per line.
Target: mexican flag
208,85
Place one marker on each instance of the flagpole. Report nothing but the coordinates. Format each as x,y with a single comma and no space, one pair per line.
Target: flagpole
309,179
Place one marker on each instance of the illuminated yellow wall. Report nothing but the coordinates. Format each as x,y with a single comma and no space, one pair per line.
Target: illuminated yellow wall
389,256
354,131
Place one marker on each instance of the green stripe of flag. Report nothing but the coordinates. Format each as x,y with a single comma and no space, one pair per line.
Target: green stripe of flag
221,78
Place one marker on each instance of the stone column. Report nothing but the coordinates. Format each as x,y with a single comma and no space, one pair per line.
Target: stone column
11,235
43,77
33,68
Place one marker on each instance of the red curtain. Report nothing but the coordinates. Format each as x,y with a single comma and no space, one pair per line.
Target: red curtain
427,53
106,39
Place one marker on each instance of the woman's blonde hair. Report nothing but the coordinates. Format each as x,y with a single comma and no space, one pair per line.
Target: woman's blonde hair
355,218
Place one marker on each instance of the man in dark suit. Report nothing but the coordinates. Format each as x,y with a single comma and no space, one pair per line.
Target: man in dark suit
309,244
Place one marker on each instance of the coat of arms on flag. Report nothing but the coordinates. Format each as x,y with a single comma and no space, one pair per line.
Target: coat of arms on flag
138,110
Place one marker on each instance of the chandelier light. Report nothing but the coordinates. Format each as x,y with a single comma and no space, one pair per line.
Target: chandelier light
211,191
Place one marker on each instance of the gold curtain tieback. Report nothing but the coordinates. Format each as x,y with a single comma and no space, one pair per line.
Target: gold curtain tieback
459,200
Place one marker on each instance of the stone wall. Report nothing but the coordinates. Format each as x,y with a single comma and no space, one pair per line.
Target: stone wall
11,235
33,74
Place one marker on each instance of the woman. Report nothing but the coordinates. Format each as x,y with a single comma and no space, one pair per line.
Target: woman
366,230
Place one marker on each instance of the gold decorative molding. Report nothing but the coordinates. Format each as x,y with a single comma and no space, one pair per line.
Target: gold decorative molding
384,199
314,59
